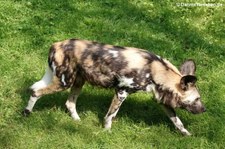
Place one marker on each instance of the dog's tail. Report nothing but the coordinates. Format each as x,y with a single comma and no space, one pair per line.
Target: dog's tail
44,82
48,76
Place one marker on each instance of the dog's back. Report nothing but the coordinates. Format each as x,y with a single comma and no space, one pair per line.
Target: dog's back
104,65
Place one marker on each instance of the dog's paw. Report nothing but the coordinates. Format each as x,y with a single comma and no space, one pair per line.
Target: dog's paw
26,112
108,130
185,132
75,116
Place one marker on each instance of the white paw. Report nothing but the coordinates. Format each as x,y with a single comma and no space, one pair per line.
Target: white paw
75,116
185,132
108,125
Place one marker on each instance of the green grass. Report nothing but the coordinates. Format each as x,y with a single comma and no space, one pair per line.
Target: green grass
29,27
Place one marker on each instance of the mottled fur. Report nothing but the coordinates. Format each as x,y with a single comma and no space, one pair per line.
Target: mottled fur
126,69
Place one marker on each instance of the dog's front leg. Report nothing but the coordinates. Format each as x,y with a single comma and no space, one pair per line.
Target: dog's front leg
175,119
118,99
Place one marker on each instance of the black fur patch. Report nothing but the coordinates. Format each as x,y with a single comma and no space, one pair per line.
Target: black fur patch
25,112
70,46
51,56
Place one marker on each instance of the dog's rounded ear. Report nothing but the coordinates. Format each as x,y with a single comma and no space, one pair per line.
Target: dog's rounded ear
188,67
186,80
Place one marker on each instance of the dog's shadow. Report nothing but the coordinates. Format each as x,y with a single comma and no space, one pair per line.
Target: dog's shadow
98,101
133,108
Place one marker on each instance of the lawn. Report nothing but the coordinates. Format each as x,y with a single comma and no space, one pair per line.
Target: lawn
168,28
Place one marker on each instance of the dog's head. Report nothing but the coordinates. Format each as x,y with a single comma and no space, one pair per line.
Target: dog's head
190,99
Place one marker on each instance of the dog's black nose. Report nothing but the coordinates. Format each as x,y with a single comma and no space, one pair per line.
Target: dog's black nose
203,109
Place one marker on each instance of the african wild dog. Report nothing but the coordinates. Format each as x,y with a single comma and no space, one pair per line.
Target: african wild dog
127,69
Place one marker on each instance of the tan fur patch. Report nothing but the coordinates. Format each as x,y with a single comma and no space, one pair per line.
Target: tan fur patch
172,66
59,55
134,59
80,47
167,78
108,47
88,61
53,87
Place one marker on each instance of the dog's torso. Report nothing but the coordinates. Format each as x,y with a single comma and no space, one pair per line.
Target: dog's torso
109,66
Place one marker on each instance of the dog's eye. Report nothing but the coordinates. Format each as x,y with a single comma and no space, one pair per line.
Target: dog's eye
197,99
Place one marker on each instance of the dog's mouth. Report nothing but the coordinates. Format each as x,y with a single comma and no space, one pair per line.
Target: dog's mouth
196,110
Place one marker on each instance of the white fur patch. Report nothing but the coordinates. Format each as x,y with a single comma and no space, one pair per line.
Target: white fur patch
122,95
72,108
108,120
147,75
191,96
177,122
44,82
114,53
150,87
63,80
31,103
126,82
158,56
53,67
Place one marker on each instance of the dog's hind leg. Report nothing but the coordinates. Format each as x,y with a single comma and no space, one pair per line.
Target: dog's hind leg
44,82
49,84
175,119
72,99
118,99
